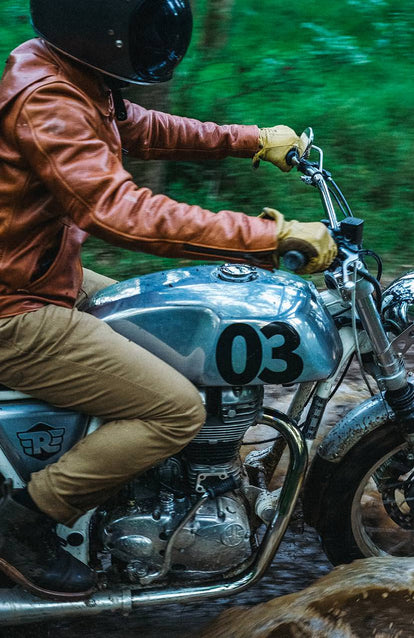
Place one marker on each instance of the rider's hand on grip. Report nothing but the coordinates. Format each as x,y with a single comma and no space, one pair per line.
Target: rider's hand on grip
312,239
276,142
294,260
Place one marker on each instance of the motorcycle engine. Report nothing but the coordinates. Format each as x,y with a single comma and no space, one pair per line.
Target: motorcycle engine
218,537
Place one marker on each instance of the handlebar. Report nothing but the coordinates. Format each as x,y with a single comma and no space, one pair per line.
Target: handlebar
347,233
292,157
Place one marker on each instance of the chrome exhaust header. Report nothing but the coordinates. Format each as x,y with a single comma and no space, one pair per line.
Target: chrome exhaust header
19,607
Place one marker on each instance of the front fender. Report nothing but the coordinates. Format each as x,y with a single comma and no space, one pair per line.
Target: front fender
360,421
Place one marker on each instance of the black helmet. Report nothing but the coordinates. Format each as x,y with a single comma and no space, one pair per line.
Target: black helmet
139,41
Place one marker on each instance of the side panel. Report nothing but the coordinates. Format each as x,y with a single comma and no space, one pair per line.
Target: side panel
34,434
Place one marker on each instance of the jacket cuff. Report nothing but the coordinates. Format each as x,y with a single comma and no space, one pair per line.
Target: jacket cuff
246,142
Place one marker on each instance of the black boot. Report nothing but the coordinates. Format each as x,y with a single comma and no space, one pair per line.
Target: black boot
31,554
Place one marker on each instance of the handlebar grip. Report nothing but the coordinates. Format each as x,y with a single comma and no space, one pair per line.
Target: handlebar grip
294,260
292,157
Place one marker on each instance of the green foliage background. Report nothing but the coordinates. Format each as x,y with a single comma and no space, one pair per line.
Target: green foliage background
343,67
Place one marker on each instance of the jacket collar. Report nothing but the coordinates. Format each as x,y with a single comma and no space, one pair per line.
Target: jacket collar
35,60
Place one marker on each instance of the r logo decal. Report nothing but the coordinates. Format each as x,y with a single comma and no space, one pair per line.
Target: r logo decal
41,441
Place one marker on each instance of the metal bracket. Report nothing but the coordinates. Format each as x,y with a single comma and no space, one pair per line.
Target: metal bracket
200,488
404,341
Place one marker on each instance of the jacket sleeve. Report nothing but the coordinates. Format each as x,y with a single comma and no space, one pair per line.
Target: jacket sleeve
148,134
58,135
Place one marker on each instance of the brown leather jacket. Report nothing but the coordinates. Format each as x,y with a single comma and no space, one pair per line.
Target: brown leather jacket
61,177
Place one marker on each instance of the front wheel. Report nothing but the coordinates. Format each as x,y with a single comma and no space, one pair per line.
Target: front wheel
367,508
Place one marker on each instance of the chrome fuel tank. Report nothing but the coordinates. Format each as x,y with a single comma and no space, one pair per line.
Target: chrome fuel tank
226,325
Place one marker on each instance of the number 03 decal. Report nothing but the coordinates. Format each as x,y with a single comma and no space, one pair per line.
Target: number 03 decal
254,353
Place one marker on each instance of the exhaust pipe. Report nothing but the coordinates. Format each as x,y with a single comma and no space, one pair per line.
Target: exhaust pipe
18,607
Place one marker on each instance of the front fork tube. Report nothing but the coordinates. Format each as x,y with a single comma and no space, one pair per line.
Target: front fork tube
399,394
394,376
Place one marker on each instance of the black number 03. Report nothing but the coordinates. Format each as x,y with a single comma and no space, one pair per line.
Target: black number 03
254,354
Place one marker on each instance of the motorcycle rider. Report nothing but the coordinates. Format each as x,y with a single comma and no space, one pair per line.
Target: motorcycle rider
63,125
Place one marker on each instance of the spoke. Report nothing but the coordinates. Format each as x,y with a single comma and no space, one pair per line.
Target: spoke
383,510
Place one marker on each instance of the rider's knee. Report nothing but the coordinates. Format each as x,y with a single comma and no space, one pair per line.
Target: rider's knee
195,413
190,415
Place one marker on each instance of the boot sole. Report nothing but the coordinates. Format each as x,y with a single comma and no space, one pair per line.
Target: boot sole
18,578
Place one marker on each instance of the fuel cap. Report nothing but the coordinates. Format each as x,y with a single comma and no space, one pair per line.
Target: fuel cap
237,272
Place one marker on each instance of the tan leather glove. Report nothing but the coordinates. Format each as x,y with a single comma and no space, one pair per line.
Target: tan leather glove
276,142
310,238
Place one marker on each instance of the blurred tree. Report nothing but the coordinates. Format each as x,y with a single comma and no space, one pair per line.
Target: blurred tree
216,25
148,173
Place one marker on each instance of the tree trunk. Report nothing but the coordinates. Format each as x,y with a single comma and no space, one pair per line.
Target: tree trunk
216,24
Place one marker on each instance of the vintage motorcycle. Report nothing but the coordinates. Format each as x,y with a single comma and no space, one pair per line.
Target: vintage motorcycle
204,523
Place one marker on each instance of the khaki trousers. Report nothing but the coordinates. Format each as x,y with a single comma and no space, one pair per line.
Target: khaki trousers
73,360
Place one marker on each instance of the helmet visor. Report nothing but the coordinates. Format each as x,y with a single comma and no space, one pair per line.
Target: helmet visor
160,32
